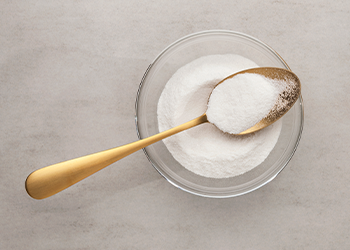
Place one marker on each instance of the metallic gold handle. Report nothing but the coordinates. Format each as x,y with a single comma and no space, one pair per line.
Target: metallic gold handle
50,180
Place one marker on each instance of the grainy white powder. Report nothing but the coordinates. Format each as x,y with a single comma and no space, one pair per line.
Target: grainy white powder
240,102
206,150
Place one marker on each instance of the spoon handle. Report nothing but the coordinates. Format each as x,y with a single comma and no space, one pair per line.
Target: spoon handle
50,180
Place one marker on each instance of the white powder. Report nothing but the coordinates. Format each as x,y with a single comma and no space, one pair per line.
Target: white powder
206,150
240,102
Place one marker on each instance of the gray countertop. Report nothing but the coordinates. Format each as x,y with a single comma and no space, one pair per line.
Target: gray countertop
69,74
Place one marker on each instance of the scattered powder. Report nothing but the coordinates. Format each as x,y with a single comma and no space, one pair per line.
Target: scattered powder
240,102
205,149
288,94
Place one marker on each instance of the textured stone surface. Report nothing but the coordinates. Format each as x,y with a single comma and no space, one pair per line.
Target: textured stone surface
69,73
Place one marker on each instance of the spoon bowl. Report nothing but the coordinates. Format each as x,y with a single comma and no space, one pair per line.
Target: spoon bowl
288,97
50,180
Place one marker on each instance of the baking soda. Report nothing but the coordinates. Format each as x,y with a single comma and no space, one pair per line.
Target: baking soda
240,102
206,150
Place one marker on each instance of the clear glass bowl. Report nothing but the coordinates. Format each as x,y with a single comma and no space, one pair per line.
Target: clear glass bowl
157,75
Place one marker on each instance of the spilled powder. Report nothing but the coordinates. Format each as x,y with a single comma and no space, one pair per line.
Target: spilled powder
206,150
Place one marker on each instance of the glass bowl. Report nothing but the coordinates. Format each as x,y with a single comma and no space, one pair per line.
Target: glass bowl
160,71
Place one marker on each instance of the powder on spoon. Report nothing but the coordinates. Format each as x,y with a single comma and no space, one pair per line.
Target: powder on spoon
240,102
205,150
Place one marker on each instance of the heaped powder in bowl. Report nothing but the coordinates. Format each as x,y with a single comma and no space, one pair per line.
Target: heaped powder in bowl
206,150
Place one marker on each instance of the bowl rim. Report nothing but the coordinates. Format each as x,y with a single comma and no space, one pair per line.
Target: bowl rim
218,31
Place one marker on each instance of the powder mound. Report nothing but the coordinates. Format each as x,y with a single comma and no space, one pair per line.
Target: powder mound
205,150
240,102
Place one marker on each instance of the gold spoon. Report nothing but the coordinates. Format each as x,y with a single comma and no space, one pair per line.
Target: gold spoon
50,180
